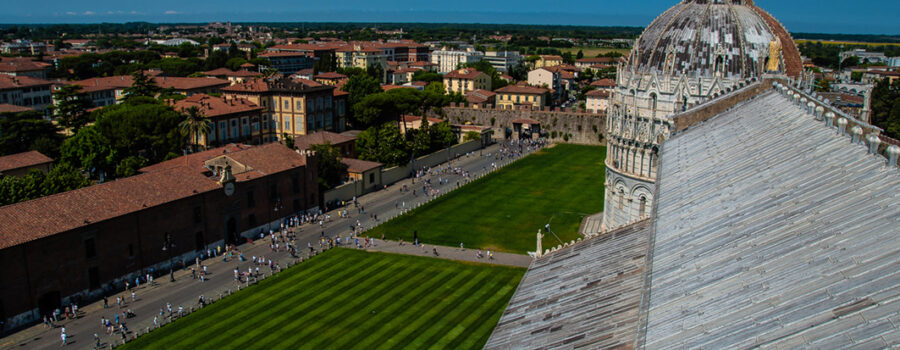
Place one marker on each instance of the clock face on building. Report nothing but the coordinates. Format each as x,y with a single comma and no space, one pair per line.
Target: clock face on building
229,189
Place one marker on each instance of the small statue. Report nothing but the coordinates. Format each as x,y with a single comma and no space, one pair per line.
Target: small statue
774,55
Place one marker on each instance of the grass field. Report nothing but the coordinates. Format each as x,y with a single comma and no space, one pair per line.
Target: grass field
352,299
504,210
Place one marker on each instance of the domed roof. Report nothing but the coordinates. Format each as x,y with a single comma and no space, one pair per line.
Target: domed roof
706,37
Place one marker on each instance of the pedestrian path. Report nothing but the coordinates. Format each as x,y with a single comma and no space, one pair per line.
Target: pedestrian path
451,253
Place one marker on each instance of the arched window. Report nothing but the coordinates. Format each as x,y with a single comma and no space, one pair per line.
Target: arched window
621,199
643,207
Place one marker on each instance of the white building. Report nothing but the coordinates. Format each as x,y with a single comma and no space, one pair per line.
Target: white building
502,61
597,100
545,77
449,60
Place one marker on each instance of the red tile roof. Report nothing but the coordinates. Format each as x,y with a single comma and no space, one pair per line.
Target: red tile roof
359,165
8,108
23,160
320,138
330,75
465,73
521,89
43,217
606,83
22,65
479,96
16,82
179,83
218,72
598,93
212,107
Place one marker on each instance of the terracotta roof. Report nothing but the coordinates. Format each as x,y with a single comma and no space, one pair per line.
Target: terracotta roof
330,75
413,118
597,93
321,138
520,89
608,83
212,107
389,87
21,65
194,160
16,82
179,83
282,54
231,73
359,165
23,160
421,64
307,82
43,217
551,58
506,77
465,73
8,108
261,85
479,96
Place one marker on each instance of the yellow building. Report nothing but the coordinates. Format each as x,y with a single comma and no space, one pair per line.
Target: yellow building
466,80
521,95
292,107
330,78
548,61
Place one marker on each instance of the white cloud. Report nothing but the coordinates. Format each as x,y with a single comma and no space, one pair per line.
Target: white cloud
70,13
170,12
88,13
133,12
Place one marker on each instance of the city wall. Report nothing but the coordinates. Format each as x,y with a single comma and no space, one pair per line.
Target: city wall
582,127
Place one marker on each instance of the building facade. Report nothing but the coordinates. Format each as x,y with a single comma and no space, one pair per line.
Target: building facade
25,91
512,96
503,61
670,70
449,60
466,80
234,120
292,108
83,244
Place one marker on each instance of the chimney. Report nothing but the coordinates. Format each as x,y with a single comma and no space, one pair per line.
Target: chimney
874,142
892,152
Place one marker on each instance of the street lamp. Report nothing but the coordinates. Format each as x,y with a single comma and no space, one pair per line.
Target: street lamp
169,245
275,208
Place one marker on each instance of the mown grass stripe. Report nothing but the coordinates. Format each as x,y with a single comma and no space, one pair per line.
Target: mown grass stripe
349,301
360,331
326,303
484,321
198,331
304,304
456,316
253,308
433,312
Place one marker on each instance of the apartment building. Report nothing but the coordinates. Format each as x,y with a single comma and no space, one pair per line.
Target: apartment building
465,80
503,61
521,95
232,120
293,107
449,60
25,91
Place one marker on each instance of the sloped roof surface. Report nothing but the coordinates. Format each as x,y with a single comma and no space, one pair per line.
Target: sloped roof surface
772,230
584,296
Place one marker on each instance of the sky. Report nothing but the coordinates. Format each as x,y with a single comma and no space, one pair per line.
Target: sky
818,16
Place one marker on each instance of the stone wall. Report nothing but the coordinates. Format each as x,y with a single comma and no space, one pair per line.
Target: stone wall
582,127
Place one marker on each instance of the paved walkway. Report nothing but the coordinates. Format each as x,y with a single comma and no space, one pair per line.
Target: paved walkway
452,253
185,291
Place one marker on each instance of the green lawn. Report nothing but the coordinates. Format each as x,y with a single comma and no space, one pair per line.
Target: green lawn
504,210
352,299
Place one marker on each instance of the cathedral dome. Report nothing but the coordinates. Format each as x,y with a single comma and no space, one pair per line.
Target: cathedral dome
707,38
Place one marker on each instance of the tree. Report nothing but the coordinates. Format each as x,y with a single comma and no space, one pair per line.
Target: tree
194,125
143,85
63,177
235,63
472,136
426,76
383,144
567,58
20,132
141,127
579,55
331,169
288,141
71,107
886,107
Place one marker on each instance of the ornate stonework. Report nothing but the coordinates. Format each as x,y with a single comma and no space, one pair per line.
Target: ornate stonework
691,54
